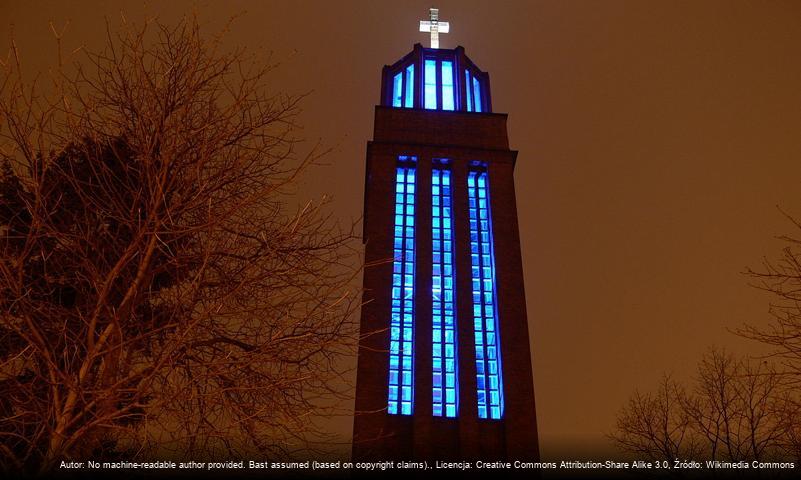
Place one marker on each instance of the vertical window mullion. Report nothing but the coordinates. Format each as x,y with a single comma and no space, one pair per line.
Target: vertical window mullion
438,67
402,98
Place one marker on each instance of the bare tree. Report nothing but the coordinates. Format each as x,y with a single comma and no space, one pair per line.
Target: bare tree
738,409
781,278
160,291
657,426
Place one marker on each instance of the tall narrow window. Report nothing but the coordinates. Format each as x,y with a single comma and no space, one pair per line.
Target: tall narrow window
444,358
447,85
397,89
401,344
489,381
409,97
469,93
430,81
476,94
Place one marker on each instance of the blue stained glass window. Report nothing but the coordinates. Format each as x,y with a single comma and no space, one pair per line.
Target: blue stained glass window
430,84
489,381
467,90
445,375
403,88
447,85
476,94
397,89
409,97
401,331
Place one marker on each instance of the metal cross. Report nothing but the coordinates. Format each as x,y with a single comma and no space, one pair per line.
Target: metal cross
434,26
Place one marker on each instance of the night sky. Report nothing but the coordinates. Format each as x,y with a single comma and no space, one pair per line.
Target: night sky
656,140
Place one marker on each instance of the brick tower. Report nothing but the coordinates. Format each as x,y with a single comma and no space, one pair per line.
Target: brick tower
444,366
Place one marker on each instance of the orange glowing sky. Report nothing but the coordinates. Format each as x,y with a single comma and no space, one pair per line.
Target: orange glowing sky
656,140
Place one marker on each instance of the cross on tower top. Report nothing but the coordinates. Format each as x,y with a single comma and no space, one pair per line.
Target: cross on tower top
434,26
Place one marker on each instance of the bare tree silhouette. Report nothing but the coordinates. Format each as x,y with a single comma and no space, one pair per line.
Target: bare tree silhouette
160,292
657,426
737,409
782,279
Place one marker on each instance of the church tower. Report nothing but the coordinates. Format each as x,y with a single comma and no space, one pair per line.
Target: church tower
444,366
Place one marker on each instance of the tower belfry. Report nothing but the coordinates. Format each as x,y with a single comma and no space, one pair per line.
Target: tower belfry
444,365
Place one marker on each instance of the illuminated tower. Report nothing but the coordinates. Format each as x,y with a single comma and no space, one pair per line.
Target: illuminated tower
444,368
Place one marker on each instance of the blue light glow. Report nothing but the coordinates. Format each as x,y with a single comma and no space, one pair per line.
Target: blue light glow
409,98
401,328
444,356
489,379
467,90
430,83
397,89
476,94
447,85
